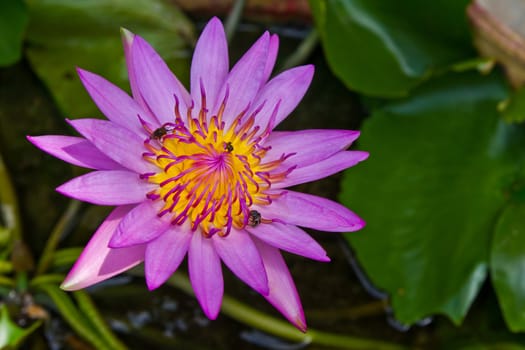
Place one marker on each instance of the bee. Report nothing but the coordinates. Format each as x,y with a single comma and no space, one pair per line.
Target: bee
164,130
229,147
254,218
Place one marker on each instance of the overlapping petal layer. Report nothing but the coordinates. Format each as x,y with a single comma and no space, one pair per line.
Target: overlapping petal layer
203,174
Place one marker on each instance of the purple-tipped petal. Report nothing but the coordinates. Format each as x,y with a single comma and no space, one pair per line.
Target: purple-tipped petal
239,253
123,146
205,270
157,84
273,48
127,41
141,225
244,80
307,146
98,262
165,253
283,294
324,168
74,150
289,238
114,103
107,187
310,211
210,63
287,89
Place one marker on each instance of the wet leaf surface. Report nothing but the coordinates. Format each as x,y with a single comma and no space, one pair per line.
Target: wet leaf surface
385,48
440,169
508,265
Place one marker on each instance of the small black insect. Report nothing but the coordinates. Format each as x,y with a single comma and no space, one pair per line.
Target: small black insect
164,130
229,147
254,219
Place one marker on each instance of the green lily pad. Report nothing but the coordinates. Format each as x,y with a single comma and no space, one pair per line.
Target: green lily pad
508,265
441,164
13,21
66,34
384,48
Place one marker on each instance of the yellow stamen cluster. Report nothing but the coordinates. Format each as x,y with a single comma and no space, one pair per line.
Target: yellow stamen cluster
209,175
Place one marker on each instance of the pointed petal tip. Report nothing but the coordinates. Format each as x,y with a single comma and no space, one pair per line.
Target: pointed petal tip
214,21
74,281
152,285
80,71
300,324
118,241
355,226
211,314
127,36
68,286
63,190
364,155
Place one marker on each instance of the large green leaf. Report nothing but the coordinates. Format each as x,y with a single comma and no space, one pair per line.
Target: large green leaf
431,191
508,265
13,21
65,34
384,48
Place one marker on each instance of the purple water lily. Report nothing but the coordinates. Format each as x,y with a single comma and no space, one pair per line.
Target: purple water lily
203,173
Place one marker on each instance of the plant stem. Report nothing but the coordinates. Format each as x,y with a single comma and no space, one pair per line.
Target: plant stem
94,317
63,224
303,51
233,18
71,314
266,323
54,279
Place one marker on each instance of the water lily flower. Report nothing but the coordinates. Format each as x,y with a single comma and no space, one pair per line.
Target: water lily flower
203,173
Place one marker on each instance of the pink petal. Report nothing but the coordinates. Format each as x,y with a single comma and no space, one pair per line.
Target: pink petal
239,253
127,41
210,62
165,253
123,146
74,150
283,294
308,146
244,80
273,48
141,225
157,84
324,168
205,271
289,238
98,262
114,103
107,187
313,212
287,89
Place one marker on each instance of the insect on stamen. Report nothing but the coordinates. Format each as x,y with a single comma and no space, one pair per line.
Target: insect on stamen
254,218
165,129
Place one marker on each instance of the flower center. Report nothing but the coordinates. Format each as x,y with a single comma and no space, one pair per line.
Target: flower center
209,175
